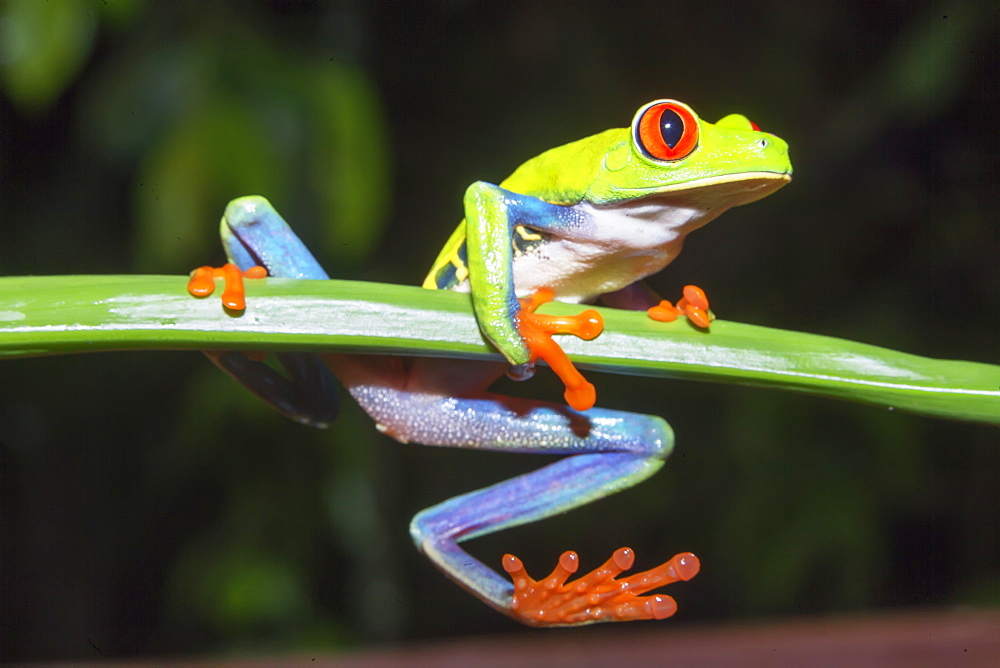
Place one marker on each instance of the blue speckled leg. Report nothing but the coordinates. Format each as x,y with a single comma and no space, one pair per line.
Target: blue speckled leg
610,451
444,403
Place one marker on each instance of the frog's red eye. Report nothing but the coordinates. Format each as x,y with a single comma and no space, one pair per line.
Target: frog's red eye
666,130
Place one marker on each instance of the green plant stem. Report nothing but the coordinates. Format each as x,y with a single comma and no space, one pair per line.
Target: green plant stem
71,314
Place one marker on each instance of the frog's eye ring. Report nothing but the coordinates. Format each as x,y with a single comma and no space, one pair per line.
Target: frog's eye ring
665,130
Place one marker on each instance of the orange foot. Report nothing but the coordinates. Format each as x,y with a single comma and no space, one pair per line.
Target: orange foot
596,596
694,304
537,331
202,283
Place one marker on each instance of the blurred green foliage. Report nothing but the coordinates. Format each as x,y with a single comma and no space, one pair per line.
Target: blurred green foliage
151,506
42,48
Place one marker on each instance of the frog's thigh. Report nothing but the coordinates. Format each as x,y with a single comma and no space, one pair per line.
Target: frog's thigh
495,422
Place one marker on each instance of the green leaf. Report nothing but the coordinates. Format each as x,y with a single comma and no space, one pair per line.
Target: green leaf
70,314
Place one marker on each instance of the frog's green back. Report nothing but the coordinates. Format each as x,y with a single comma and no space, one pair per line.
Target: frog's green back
564,174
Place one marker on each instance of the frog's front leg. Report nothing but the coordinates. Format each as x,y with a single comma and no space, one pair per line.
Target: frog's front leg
607,451
491,215
256,237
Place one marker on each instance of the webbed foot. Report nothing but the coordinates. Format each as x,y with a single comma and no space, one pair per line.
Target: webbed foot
202,283
597,596
694,305
537,331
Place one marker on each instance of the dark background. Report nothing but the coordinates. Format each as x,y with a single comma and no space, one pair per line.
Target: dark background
151,506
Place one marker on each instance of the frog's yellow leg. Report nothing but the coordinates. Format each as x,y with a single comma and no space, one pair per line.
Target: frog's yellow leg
491,216
694,305
597,596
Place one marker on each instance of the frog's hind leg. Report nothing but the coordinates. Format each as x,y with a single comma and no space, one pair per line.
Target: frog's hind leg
254,234
609,451
306,392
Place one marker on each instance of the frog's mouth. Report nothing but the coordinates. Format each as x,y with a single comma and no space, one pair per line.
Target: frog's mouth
718,191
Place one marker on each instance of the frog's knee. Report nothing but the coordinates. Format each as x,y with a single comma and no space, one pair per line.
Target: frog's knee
244,212
424,530
659,437
248,206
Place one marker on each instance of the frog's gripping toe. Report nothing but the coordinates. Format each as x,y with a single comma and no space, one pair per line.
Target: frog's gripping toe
597,596
202,283
537,331
693,305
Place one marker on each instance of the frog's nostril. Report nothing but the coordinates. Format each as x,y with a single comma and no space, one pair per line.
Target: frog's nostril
762,143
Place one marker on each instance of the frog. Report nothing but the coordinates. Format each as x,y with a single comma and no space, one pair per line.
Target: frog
587,221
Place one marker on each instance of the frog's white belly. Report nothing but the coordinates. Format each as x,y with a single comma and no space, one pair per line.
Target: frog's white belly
615,247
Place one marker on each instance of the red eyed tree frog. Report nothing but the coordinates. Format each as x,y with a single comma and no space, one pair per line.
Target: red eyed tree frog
584,221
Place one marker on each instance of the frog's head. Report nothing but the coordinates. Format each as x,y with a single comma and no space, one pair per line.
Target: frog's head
671,153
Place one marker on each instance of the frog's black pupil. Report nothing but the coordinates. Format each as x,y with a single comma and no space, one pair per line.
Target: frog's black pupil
671,127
